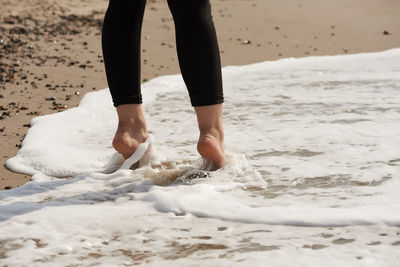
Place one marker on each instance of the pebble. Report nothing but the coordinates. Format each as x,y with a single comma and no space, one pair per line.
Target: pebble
7,187
59,106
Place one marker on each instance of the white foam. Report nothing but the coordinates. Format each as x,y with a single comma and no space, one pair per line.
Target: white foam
311,142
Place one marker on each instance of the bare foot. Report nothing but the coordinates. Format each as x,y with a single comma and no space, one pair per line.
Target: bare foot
132,130
211,141
128,138
211,147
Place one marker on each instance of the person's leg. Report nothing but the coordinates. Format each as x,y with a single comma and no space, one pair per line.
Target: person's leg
121,50
200,64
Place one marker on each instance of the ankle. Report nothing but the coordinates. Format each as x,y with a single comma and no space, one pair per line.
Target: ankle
131,115
216,132
128,130
138,124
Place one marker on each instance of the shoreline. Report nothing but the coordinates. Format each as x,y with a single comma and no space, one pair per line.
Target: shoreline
51,51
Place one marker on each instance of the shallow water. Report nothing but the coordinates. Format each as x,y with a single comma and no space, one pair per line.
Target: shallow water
312,176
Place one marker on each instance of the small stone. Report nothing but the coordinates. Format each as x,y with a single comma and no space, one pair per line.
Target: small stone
386,33
7,187
60,106
51,98
246,42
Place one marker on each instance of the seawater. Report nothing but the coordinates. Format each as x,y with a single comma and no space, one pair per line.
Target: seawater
312,176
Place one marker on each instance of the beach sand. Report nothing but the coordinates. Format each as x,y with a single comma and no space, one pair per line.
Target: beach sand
50,51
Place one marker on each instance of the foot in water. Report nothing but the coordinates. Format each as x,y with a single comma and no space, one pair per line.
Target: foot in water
211,141
127,139
211,147
132,130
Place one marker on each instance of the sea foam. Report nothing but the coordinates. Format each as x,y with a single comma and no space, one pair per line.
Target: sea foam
313,171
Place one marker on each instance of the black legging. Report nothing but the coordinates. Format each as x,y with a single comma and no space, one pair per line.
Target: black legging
196,43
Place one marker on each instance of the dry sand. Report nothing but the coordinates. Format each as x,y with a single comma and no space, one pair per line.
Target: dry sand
51,49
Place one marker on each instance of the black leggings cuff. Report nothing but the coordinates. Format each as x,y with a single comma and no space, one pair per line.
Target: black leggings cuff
206,100
134,99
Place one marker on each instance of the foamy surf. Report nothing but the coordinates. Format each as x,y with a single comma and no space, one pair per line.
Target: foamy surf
312,172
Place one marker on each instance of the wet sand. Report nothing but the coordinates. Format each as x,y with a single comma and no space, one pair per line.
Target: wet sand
50,51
